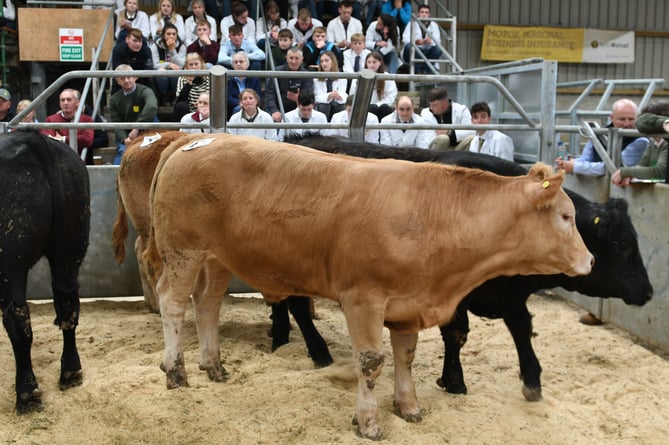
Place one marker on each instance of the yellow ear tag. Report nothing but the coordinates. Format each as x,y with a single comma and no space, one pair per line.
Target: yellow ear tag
596,220
545,184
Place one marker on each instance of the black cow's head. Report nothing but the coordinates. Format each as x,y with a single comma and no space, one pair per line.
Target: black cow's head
608,233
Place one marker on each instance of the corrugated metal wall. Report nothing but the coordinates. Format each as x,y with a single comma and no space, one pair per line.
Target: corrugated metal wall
648,18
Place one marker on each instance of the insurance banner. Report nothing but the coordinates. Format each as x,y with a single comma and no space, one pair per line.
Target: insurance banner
572,45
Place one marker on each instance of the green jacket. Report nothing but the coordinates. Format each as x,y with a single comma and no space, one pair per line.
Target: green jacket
653,162
140,106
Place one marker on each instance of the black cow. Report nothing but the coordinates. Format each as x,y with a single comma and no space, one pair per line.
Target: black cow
45,202
606,229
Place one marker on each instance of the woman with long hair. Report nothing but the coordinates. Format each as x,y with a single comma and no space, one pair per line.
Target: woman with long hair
385,91
189,88
166,13
251,112
168,53
330,93
199,13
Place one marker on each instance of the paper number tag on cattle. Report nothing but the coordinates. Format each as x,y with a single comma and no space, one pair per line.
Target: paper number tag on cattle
148,140
198,143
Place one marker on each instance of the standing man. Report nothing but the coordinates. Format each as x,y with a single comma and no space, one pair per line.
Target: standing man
69,102
623,115
341,28
288,88
132,103
408,137
6,112
442,110
490,142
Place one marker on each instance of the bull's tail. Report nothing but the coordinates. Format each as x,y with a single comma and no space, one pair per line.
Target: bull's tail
120,228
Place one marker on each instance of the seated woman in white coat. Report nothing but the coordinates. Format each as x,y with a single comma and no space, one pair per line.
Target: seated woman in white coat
251,113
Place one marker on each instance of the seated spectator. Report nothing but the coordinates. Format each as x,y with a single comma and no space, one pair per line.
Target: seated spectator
302,27
653,164
201,115
318,45
131,17
189,88
237,84
239,17
279,51
269,25
285,89
250,112
490,142
409,137
134,52
373,11
6,111
400,10
8,18
166,14
237,43
354,58
589,163
428,42
31,117
443,110
341,28
190,25
133,103
168,53
343,117
330,93
206,47
383,36
305,114
385,91
69,102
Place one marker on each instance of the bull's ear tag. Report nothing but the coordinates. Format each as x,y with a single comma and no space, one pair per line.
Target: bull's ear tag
546,184
596,221
148,140
198,143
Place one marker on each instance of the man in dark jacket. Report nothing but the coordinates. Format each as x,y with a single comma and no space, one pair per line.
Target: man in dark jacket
288,88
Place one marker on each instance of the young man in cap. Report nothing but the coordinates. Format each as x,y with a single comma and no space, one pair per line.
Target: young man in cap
6,111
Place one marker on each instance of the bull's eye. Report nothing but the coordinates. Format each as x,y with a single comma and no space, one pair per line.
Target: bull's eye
567,217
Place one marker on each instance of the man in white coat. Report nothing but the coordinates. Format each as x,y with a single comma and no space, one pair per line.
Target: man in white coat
443,110
490,142
341,28
428,42
409,137
303,114
344,116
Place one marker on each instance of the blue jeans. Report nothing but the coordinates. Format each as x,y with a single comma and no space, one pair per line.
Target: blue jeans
120,149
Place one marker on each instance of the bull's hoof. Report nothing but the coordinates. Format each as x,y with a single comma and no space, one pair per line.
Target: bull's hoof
216,373
532,394
412,415
322,362
452,388
70,379
29,402
371,431
278,341
175,377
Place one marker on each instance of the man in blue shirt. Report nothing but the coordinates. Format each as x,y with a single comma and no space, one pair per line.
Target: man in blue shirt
589,163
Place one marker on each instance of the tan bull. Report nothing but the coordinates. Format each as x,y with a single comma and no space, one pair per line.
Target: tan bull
394,242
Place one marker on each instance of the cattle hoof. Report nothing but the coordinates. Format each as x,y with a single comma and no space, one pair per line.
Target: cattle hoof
372,430
413,416
278,342
323,362
216,373
176,377
451,388
532,394
70,379
29,402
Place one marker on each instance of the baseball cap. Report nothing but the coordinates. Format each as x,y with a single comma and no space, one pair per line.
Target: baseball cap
4,94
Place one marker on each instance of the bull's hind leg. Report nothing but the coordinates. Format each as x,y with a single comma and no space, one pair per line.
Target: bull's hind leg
16,319
174,288
364,319
404,351
65,284
212,283
149,292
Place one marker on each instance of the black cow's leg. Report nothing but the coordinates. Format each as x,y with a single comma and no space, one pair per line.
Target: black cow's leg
520,326
454,335
318,349
280,324
66,303
16,319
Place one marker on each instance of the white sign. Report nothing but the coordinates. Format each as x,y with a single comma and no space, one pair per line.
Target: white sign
71,42
600,46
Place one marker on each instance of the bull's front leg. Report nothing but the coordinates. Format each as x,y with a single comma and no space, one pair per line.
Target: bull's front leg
16,320
210,288
365,325
454,335
404,352
520,326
